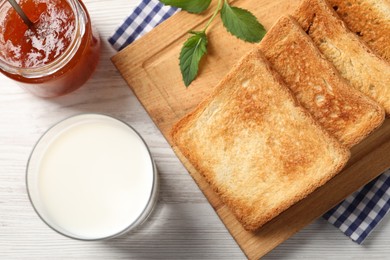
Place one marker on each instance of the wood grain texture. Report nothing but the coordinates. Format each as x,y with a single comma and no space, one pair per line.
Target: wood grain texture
150,67
184,225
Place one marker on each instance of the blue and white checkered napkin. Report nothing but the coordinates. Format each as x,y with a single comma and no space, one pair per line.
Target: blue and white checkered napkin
147,15
356,216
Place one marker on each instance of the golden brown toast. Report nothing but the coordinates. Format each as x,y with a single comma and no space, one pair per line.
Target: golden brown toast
370,20
256,146
353,59
342,110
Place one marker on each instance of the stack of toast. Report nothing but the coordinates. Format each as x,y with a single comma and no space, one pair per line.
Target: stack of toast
281,123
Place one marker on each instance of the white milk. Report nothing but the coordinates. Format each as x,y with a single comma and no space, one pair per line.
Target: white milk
94,178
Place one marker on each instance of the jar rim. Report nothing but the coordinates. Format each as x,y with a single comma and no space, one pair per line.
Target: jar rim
63,59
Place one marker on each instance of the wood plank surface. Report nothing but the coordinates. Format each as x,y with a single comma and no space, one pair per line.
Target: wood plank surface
150,67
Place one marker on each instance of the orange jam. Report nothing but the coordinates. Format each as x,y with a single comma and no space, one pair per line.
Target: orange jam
57,54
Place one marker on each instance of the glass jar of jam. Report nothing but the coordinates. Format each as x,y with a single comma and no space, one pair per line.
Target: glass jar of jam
57,54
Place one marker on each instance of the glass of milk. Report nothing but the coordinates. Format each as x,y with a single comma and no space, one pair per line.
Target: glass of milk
92,177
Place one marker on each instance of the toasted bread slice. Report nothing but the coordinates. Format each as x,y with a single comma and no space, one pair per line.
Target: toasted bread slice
256,146
342,110
353,59
370,20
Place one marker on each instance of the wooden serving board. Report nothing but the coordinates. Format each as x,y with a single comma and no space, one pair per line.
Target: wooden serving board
150,67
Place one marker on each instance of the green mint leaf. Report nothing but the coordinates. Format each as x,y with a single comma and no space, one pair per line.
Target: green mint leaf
191,6
241,23
191,53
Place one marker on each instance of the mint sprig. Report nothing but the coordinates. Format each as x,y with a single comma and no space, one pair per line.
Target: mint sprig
191,6
191,54
239,22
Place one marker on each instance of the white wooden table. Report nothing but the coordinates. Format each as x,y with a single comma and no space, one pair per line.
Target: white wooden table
183,226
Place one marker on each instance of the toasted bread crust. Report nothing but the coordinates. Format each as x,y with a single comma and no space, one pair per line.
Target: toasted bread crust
258,148
370,20
363,69
342,110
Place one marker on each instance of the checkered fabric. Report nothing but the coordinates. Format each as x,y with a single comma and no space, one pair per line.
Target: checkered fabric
356,216
147,15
